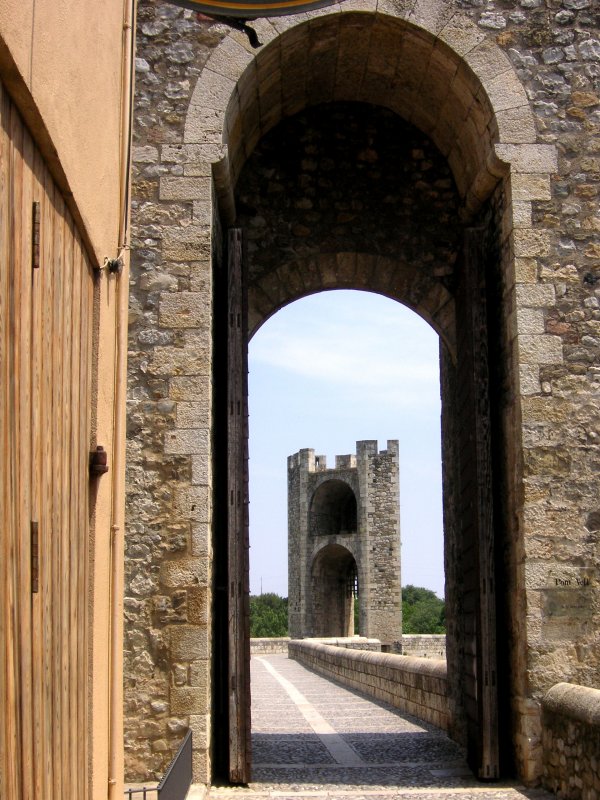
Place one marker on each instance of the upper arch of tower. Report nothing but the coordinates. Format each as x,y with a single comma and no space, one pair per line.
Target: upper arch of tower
423,60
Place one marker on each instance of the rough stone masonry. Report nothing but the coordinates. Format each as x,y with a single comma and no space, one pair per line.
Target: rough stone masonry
500,100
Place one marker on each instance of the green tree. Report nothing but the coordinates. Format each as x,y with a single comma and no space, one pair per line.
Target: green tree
268,615
422,611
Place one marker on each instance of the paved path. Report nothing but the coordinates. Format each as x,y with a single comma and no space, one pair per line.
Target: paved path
315,739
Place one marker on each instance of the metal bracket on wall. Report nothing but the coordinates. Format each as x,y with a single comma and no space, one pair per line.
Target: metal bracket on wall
98,462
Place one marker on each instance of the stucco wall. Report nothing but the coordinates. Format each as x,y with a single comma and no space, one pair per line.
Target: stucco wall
62,61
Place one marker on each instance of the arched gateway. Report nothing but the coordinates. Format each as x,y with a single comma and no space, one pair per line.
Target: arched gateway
382,146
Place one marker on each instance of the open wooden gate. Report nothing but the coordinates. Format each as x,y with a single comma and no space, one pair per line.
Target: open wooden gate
46,317
476,514
237,528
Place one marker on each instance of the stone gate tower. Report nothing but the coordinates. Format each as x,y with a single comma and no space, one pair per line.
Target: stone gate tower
344,535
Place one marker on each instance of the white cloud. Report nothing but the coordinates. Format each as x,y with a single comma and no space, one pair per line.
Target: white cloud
358,342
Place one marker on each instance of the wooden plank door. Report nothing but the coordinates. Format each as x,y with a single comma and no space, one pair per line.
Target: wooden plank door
476,514
46,317
237,529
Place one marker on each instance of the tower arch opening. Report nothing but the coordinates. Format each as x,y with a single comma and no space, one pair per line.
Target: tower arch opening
333,510
333,582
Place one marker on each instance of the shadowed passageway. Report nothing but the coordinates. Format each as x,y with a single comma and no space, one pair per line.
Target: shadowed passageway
314,738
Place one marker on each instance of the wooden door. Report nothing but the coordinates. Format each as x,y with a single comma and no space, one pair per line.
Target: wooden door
476,515
237,528
46,317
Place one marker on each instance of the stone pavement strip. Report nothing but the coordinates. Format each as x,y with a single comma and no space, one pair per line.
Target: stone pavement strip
315,739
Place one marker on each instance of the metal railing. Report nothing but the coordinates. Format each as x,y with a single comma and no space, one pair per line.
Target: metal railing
177,779
147,792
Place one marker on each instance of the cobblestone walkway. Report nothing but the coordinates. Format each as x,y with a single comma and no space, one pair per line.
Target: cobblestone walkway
315,739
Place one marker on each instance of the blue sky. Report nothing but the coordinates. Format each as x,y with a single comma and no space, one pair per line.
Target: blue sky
325,372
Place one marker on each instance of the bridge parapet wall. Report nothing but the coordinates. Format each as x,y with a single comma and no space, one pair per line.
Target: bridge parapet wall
261,646
417,686
424,645
571,741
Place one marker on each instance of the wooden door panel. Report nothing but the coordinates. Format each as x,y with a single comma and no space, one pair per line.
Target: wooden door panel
46,315
478,602
238,545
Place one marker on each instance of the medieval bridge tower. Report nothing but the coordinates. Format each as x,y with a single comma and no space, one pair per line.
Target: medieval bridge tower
344,540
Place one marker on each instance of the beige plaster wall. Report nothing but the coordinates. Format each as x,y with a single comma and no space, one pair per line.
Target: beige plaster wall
62,62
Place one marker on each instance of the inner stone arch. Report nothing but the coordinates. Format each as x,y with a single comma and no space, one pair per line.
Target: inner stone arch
333,509
349,195
434,69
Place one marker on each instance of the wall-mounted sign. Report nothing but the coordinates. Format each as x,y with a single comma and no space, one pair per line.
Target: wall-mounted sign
251,9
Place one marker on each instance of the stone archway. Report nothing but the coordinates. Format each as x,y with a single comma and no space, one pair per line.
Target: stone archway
468,102
430,65
362,198
333,577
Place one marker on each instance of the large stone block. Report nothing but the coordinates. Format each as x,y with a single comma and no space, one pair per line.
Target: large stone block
188,700
536,158
530,320
540,349
201,469
530,187
193,415
541,295
196,188
184,310
187,244
172,361
188,441
194,503
184,572
200,727
198,605
200,771
197,388
531,242
201,539
189,643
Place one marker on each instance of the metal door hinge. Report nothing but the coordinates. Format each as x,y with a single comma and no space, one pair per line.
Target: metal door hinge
35,236
35,557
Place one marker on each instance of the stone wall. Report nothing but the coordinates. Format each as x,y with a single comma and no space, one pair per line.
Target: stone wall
350,643
416,686
571,742
321,203
266,646
169,471
424,645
